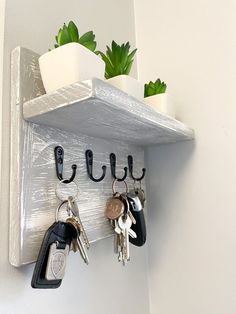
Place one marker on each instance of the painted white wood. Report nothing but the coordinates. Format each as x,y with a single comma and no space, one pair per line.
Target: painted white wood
33,177
98,109
22,88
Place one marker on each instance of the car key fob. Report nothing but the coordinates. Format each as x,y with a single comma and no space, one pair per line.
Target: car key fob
139,228
50,265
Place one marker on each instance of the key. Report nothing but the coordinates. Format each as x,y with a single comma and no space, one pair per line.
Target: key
78,243
139,191
118,240
125,226
127,207
75,210
116,244
74,245
118,229
48,263
116,237
83,251
121,249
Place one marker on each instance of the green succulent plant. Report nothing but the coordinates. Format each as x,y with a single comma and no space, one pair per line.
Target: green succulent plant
154,88
69,34
118,59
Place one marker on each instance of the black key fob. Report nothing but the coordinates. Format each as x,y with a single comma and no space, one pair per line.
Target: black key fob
59,234
139,228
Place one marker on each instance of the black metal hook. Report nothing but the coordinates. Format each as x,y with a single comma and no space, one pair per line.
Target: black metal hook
89,163
130,164
59,156
113,168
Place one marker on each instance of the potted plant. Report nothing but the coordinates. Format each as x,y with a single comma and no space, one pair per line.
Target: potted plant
119,61
156,97
73,59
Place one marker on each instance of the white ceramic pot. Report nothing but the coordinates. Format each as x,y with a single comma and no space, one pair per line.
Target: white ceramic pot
163,103
128,85
68,64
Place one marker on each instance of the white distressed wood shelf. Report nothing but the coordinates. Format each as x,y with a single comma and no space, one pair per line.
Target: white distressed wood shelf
96,108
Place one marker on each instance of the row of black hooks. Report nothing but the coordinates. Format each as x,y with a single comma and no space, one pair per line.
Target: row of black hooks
59,157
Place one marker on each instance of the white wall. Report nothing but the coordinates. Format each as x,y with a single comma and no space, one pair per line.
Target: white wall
104,286
191,186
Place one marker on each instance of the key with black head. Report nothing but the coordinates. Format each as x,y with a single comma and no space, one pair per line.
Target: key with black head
139,228
50,265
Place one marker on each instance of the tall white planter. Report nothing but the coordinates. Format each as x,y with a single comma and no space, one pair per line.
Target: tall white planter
68,64
128,84
163,103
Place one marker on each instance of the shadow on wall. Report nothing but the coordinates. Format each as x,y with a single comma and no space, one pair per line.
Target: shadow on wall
168,167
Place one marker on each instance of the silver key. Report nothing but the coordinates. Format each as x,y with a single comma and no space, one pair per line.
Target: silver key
125,226
83,251
116,243
56,262
118,240
75,211
118,230
125,198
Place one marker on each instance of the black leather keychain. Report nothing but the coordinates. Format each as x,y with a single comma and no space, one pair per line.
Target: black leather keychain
58,237
139,228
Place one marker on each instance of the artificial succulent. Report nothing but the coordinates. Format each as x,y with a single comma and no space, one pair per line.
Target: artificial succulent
69,34
118,59
154,88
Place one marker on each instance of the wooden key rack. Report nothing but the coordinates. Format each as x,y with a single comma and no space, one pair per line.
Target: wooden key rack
90,115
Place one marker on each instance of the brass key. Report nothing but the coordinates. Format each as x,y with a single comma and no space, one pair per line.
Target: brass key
77,243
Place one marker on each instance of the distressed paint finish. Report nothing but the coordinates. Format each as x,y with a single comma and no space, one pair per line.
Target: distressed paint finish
98,109
33,177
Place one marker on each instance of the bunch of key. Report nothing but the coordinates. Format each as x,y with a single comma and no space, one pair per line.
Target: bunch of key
125,212
121,218
80,242
59,239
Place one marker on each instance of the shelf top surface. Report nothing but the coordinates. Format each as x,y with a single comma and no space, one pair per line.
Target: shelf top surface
98,109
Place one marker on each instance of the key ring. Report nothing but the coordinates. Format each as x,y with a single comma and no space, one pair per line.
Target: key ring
58,209
64,190
114,183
